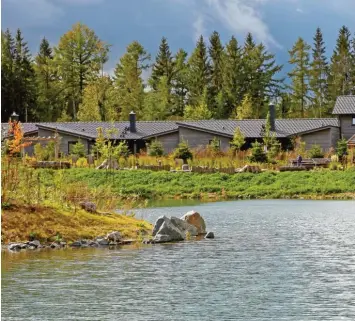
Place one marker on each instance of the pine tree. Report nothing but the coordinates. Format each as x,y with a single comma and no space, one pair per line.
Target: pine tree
198,72
24,80
299,57
163,66
49,99
7,75
339,78
179,83
216,53
199,111
157,103
319,75
232,77
128,80
80,57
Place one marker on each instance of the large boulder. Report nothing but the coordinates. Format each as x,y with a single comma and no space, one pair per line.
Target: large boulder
88,206
197,220
184,226
158,223
168,232
114,236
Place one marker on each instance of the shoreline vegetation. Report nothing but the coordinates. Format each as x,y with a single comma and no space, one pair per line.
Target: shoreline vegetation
46,204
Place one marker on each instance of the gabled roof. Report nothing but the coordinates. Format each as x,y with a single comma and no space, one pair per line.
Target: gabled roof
344,105
253,128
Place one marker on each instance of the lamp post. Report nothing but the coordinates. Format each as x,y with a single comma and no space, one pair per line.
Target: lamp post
14,117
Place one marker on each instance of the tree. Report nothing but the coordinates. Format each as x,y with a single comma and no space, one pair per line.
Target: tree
342,147
78,149
257,153
179,83
182,152
79,57
157,103
340,67
163,65
49,98
98,101
128,80
299,58
200,111
232,77
238,139
216,53
319,75
245,110
198,72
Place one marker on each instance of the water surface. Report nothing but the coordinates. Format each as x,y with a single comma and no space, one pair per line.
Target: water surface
271,260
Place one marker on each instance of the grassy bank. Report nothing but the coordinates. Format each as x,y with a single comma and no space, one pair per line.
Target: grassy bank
47,224
150,185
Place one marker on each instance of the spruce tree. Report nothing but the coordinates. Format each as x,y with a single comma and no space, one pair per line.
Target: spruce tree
299,58
179,83
198,72
340,67
128,80
7,75
163,65
216,53
24,80
319,75
232,77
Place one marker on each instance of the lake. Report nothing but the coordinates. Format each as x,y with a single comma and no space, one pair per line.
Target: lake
270,260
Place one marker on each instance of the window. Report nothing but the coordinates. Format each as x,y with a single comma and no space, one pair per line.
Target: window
353,120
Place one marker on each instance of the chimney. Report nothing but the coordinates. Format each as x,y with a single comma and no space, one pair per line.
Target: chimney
272,112
132,122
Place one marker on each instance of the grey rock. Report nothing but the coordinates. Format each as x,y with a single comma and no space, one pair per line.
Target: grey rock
194,218
158,223
103,242
183,226
114,236
54,245
209,235
88,206
14,246
31,247
168,232
76,244
23,246
34,243
93,244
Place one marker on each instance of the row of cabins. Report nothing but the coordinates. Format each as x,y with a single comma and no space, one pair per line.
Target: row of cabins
322,131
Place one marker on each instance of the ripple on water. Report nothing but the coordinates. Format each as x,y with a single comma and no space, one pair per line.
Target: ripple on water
271,260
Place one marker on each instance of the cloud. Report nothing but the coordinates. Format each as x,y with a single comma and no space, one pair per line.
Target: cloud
199,28
299,10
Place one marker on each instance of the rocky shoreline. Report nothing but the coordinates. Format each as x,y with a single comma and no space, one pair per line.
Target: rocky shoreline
191,225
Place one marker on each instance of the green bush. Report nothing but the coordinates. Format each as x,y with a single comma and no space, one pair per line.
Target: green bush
342,147
78,149
183,152
257,153
315,152
155,148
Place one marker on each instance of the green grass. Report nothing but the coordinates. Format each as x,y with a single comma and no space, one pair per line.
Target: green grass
149,185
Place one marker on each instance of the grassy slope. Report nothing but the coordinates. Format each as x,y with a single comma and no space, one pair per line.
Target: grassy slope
149,184
18,222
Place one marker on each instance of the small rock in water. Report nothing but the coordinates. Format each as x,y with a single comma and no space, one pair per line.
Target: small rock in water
103,242
209,235
76,244
14,247
55,245
114,236
34,243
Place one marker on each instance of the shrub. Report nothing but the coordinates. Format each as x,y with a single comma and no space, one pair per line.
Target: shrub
315,152
257,153
183,152
78,149
155,148
342,147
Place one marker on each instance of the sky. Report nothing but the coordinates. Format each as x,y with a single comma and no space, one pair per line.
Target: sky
277,23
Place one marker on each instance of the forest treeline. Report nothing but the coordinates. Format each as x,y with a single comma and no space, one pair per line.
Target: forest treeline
234,80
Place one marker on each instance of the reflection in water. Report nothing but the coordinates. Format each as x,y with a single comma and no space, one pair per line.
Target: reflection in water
271,260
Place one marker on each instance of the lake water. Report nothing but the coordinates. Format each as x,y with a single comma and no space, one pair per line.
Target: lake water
270,260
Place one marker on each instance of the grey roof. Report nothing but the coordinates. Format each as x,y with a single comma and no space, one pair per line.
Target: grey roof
344,105
254,127
145,129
